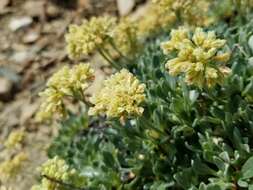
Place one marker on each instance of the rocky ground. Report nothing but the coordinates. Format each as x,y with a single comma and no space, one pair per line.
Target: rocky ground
32,47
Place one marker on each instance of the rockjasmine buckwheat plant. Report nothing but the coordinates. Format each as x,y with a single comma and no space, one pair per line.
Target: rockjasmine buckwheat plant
175,114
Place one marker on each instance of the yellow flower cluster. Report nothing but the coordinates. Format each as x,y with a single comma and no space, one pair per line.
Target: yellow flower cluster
10,168
5,188
66,82
125,37
70,80
14,139
52,103
199,57
190,11
57,170
120,97
84,39
154,20
165,4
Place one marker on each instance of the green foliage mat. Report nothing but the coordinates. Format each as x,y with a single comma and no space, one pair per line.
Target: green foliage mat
187,138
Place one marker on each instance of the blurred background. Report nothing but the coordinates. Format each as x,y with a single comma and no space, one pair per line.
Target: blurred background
32,47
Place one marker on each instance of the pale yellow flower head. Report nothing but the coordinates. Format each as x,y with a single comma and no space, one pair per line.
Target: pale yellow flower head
170,5
125,37
193,12
65,82
84,39
60,80
199,57
177,36
164,5
57,169
154,21
52,104
120,97
69,80
15,138
80,76
5,188
10,168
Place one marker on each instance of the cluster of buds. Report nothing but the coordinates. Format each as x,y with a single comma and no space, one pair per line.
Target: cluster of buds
125,37
14,139
66,82
198,57
5,188
10,168
154,21
120,97
91,35
56,172
194,12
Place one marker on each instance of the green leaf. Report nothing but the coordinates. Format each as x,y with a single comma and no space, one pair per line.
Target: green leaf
247,169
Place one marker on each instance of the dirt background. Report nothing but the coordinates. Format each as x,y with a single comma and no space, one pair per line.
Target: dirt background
32,47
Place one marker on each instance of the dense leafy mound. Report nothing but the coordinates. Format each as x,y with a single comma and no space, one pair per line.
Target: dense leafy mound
187,137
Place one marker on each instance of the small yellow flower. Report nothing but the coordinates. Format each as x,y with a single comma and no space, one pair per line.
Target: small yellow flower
10,168
15,138
84,39
120,97
198,56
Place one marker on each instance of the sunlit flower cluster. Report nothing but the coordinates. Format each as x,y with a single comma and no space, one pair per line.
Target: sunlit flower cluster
70,80
125,37
10,168
84,39
65,82
154,20
5,188
198,56
57,170
120,97
194,12
15,138
52,104
165,4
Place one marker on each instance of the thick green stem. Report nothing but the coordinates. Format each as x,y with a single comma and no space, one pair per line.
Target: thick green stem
108,59
118,51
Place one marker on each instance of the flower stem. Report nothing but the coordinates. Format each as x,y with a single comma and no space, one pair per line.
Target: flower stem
106,57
